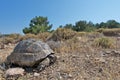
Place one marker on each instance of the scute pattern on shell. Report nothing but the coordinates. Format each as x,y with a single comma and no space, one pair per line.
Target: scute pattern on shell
31,46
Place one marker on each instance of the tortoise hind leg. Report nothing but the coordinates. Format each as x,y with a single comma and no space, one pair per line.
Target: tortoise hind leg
42,65
49,60
52,58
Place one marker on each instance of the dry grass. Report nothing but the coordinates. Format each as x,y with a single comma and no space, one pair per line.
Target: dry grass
104,42
62,34
110,32
41,36
27,36
81,34
11,38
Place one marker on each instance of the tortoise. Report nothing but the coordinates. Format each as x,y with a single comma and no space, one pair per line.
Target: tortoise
30,53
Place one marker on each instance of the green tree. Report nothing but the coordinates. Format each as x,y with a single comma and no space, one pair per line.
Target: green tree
112,24
103,25
80,26
90,24
60,26
90,27
37,25
68,26
97,25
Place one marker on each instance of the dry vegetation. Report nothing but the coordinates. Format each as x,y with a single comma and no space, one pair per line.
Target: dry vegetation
110,32
81,56
62,34
104,42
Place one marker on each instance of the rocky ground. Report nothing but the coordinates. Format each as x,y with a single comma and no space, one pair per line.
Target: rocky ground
85,63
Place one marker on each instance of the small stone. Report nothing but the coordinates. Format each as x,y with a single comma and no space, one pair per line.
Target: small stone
2,66
58,57
100,60
36,74
70,76
107,52
2,46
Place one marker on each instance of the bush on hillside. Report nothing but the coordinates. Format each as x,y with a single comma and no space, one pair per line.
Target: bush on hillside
14,36
112,32
43,36
62,34
81,34
104,42
7,40
100,30
27,36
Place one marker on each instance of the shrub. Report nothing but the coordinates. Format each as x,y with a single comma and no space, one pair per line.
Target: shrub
100,30
68,46
81,34
7,40
94,35
10,38
27,36
112,32
104,42
90,29
14,36
62,34
43,36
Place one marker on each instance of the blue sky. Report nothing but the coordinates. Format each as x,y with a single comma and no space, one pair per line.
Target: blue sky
16,14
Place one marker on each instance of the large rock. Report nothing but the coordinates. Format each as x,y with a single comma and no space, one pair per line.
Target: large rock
54,44
14,73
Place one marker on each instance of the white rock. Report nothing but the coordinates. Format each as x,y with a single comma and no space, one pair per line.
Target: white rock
100,60
36,74
14,72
